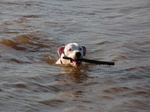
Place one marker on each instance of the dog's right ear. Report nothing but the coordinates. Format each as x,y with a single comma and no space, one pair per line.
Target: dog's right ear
60,50
84,50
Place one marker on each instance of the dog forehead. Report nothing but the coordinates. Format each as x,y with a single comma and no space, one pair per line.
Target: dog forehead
72,45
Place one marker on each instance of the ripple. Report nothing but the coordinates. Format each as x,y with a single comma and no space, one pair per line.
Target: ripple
19,85
53,103
11,43
103,42
32,16
115,90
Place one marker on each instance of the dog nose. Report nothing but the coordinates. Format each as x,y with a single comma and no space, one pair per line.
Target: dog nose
78,54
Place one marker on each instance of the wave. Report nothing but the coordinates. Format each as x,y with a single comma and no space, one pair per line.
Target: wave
20,42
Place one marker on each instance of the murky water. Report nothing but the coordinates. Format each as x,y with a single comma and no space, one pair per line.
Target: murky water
111,30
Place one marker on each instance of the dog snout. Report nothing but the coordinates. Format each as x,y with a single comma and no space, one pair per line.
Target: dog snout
78,54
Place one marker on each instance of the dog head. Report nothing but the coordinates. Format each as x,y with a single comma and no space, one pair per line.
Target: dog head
74,51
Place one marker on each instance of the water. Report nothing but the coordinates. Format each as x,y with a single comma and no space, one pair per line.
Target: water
111,30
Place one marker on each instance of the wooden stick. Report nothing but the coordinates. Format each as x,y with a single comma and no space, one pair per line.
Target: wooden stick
92,61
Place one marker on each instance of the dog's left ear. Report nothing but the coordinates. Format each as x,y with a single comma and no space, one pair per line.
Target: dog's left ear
60,50
84,50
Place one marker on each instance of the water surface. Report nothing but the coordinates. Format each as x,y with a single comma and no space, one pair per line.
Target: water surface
111,30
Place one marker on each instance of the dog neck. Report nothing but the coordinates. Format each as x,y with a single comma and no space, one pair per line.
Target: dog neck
61,62
61,59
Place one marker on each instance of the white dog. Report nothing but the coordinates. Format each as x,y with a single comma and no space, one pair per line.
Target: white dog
73,51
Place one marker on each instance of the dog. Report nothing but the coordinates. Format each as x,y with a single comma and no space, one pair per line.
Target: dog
72,50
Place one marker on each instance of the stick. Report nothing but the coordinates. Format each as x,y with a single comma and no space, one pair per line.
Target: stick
92,61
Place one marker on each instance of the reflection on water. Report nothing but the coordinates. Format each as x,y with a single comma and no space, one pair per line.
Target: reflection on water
31,32
74,75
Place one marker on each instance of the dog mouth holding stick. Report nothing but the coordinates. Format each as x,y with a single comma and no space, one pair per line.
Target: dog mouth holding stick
73,53
92,61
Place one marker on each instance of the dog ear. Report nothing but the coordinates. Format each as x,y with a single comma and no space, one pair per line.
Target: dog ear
84,50
60,50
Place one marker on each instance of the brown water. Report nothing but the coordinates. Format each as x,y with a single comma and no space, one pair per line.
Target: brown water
112,30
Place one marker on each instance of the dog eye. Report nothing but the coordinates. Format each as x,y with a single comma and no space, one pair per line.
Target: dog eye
80,48
70,49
